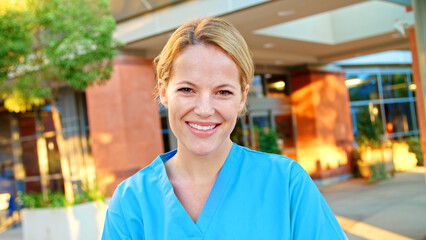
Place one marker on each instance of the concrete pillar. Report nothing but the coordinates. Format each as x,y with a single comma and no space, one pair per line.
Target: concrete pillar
419,8
124,120
420,104
324,135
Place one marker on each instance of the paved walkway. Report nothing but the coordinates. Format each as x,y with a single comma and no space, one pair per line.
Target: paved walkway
12,234
394,209
390,209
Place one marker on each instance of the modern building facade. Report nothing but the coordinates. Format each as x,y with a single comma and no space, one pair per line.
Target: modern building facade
383,84
118,128
295,89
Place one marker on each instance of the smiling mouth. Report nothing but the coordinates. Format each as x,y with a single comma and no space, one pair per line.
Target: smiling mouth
203,128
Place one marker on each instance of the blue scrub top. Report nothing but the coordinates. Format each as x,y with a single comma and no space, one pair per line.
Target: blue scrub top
256,196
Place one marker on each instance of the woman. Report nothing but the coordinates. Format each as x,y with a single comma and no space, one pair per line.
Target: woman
211,188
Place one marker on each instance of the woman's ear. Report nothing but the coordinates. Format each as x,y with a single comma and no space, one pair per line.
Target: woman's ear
162,87
244,97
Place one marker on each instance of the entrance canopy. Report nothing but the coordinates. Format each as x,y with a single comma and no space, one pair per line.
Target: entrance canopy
279,33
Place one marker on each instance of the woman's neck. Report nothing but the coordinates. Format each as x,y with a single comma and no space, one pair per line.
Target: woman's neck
195,168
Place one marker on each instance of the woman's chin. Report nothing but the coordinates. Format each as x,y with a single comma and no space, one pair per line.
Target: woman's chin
202,152
205,149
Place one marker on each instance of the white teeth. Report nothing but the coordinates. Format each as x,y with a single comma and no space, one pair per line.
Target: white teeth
202,128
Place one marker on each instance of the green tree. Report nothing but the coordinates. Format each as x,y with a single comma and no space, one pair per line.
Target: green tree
49,44
370,130
268,141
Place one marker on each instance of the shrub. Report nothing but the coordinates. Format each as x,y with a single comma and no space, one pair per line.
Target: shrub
58,199
36,200
268,141
415,147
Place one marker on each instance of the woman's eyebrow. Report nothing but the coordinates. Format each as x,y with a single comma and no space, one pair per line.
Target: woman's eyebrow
185,82
226,85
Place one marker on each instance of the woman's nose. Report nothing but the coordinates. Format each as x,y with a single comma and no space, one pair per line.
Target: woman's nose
204,106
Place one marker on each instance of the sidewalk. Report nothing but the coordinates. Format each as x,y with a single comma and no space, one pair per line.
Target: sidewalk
12,234
394,209
390,209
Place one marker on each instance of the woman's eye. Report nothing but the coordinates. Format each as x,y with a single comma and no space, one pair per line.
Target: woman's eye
185,90
225,92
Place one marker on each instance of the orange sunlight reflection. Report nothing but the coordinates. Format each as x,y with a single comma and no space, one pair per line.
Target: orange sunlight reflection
367,231
104,138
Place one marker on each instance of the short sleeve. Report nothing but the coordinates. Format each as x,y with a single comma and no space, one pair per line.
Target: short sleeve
115,226
311,217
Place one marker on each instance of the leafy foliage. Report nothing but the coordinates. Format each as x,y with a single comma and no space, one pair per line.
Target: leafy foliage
17,102
237,135
36,200
369,131
415,147
89,194
51,44
268,141
378,172
58,199
16,41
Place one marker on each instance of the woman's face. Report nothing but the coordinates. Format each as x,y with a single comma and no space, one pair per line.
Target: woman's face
203,98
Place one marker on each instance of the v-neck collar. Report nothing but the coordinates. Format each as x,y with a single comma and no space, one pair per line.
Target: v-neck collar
178,212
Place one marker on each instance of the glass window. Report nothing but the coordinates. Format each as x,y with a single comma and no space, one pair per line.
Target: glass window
27,126
259,121
5,130
53,156
237,134
359,112
6,152
412,86
6,161
47,121
395,106
30,158
32,186
284,124
248,131
256,88
398,118
165,132
395,86
56,185
270,85
277,85
362,87
416,120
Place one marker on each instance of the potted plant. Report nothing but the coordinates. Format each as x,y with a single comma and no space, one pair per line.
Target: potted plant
375,156
267,140
56,218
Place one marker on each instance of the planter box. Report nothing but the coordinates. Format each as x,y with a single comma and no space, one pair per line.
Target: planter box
364,169
79,222
374,156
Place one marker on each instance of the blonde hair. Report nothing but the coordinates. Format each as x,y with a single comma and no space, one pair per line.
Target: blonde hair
206,31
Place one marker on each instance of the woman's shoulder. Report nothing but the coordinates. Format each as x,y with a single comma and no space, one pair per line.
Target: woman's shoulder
275,161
